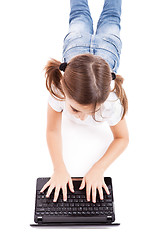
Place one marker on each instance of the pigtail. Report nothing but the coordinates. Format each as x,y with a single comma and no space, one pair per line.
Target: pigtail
53,76
118,89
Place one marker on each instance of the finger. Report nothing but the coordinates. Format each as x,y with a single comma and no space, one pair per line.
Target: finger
88,191
106,189
94,194
56,193
49,190
71,185
64,193
82,184
45,186
100,193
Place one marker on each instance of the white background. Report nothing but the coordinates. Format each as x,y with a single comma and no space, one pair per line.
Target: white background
31,33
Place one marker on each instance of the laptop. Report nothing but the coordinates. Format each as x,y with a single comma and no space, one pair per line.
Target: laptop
76,210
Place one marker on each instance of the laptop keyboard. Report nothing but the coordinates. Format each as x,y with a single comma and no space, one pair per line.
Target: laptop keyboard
76,204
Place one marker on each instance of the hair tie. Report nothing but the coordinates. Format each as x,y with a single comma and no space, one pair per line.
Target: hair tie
63,66
113,76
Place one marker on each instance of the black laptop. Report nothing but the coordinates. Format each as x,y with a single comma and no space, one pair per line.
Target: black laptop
76,210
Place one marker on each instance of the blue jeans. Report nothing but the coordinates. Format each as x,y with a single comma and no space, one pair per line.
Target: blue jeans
80,38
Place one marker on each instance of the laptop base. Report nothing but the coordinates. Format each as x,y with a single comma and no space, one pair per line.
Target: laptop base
73,224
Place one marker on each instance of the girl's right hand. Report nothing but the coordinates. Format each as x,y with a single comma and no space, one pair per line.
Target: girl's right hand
59,180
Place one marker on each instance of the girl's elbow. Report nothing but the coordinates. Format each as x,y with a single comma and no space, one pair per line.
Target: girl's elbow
126,141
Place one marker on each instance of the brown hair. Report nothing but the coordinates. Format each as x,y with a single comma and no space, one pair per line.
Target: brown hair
86,80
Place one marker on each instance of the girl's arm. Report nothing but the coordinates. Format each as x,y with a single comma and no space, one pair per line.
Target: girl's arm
118,145
53,135
60,177
94,178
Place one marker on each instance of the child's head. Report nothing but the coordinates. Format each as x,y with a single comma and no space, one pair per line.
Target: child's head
85,84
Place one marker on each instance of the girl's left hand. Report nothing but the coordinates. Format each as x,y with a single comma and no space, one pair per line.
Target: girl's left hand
94,179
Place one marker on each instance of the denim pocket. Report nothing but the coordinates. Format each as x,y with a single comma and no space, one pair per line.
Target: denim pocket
70,40
109,57
115,44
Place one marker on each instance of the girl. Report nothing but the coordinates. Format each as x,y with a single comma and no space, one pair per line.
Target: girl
83,92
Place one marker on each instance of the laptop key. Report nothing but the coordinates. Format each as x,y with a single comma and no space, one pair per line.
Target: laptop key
80,209
109,204
40,209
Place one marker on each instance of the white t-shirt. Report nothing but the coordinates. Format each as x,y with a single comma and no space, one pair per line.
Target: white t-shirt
111,110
